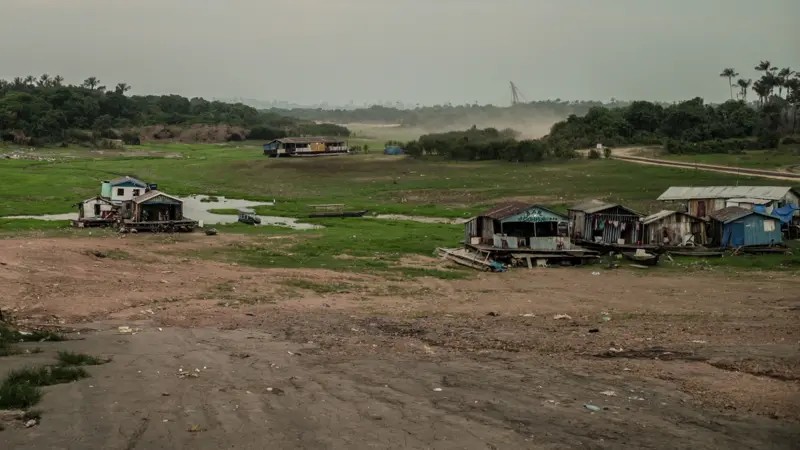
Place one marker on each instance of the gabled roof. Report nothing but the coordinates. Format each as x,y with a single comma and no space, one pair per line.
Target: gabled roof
503,210
754,201
149,195
594,206
702,192
731,213
99,199
308,140
664,214
127,179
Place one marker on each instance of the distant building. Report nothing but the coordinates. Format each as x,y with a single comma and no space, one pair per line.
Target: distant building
517,225
673,228
122,189
97,209
305,146
605,223
702,201
738,227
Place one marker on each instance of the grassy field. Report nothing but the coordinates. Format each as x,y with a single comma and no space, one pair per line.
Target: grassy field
381,184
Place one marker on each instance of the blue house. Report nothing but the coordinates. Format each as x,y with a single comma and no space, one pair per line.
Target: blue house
737,227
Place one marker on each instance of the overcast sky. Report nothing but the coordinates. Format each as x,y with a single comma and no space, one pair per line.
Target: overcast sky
426,51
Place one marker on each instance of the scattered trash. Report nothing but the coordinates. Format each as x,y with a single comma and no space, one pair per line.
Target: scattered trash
249,314
609,393
594,330
165,420
437,389
31,423
605,316
182,374
562,316
636,398
211,232
124,330
698,342
276,391
529,315
595,273
592,408
240,355
165,394
195,429
159,329
493,314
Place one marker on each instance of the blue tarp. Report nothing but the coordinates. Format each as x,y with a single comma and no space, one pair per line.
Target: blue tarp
393,150
785,213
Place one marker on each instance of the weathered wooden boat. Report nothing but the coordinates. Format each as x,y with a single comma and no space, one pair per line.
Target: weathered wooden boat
642,257
249,217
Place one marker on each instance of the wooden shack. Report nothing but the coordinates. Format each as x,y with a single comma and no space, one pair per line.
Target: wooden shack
738,227
156,210
673,228
605,223
522,231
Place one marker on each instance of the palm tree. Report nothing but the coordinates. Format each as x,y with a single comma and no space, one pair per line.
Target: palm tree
729,73
122,88
18,82
761,88
44,80
764,66
783,77
58,80
30,80
91,83
744,85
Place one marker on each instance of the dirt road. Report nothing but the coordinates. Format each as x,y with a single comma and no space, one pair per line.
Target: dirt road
672,361
631,155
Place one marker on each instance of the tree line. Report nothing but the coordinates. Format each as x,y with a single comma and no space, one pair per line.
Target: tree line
46,110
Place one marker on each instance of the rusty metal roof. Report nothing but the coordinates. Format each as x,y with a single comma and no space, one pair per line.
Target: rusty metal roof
664,214
703,192
593,206
507,209
149,195
731,213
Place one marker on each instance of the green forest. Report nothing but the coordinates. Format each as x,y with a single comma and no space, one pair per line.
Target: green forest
691,126
44,110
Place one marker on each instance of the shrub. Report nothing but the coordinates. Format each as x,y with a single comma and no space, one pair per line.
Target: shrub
79,359
594,154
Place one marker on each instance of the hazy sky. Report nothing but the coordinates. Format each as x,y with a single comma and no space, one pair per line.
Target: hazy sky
427,51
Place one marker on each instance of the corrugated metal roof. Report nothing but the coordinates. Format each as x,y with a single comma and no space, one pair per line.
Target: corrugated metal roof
127,179
149,195
594,206
664,214
504,210
702,192
309,140
731,213
754,201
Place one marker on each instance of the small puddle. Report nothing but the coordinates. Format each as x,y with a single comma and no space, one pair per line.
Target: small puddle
195,208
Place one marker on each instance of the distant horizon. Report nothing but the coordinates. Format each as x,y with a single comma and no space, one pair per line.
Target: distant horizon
368,51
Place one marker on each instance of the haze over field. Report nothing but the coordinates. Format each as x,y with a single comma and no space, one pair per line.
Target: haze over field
312,51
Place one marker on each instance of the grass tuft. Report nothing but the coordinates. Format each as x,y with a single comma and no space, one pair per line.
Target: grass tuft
19,395
79,359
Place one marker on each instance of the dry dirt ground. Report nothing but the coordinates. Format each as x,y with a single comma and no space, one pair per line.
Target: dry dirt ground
319,359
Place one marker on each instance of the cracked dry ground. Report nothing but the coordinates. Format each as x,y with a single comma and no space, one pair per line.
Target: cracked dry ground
321,359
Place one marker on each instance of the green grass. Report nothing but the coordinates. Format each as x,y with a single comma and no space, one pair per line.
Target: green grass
19,395
79,359
737,263
374,182
227,211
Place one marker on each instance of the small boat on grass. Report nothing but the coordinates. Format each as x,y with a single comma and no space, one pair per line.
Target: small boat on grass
335,210
249,217
697,253
642,257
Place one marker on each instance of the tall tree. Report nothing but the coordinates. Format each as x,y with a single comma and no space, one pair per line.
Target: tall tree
762,89
58,80
782,78
764,66
122,88
744,85
729,73
44,80
30,80
91,83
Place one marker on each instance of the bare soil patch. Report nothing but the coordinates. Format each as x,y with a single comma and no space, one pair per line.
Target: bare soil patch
316,358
